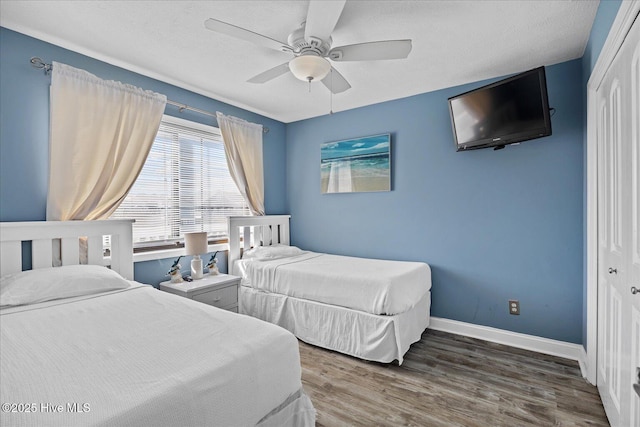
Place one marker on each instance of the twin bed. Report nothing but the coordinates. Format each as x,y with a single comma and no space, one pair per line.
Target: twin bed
370,309
82,345
85,345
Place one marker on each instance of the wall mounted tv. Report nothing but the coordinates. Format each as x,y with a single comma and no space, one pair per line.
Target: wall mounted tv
512,110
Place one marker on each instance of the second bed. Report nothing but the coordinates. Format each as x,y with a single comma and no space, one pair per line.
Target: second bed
367,308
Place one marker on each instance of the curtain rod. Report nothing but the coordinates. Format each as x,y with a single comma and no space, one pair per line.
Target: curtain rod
40,64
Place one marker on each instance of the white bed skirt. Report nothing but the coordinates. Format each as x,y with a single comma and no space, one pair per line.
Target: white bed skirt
297,411
356,333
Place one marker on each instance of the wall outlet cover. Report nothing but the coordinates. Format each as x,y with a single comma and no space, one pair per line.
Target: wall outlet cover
514,307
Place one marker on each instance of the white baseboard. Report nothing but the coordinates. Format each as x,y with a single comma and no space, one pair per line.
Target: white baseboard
514,339
583,362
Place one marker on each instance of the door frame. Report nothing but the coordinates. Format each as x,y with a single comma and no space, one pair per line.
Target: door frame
619,29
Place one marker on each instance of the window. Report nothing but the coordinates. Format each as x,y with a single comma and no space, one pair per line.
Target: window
184,186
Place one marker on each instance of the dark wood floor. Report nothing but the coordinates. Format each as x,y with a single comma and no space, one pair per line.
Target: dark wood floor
450,380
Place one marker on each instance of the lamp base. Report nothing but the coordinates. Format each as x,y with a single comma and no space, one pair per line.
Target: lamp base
196,267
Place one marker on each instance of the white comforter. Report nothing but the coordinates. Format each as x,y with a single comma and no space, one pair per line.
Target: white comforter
369,285
141,357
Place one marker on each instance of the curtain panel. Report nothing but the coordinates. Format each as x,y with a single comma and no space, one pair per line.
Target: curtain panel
243,148
100,134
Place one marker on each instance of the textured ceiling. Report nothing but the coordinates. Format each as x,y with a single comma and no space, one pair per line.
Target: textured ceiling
454,42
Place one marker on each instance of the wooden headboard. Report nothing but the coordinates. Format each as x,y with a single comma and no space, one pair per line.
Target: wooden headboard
246,232
41,234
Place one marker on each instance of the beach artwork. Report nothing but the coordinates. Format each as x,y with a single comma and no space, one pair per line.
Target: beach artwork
355,165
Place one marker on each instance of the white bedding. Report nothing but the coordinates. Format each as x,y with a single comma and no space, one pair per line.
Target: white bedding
142,357
373,286
364,335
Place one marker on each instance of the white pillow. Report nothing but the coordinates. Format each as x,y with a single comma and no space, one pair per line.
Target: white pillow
46,284
263,253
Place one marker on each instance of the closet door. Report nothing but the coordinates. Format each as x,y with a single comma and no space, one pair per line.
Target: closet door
618,306
634,235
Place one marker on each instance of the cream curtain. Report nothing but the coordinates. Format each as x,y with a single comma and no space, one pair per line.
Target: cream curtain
243,148
100,135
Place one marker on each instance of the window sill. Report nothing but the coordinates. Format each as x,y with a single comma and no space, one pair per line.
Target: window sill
173,253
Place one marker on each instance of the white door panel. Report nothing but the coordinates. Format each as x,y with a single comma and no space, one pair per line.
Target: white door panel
634,415
634,257
619,239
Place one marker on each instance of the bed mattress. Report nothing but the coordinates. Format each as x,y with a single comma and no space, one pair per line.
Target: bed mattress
374,286
141,357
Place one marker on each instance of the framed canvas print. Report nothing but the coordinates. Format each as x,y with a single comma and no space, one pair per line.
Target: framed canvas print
356,165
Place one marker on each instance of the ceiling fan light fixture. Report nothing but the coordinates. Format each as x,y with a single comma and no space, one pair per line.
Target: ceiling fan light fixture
309,67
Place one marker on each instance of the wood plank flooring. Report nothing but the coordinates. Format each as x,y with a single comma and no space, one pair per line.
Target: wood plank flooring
450,380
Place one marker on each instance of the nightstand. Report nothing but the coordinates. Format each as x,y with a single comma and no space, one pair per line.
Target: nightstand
220,291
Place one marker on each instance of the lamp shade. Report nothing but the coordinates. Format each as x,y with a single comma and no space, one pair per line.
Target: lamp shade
195,243
309,67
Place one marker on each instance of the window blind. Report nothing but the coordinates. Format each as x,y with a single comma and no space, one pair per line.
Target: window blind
184,186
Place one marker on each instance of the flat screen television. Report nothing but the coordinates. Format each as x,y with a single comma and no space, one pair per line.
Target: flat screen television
512,110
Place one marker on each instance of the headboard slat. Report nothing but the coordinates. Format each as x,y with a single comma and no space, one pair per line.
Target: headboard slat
70,251
115,261
257,237
41,253
284,233
267,238
246,238
94,249
11,257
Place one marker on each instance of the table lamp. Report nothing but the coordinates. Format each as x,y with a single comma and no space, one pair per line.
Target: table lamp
196,244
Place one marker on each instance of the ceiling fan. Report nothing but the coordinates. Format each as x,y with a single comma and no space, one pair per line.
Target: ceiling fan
310,45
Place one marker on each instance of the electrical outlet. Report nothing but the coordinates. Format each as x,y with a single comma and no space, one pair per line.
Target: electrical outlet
514,306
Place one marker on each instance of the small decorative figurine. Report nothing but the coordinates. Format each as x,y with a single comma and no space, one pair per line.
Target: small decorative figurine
212,265
174,272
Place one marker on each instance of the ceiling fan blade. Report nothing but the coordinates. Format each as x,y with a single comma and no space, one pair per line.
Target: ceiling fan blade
270,74
244,34
387,49
335,82
322,18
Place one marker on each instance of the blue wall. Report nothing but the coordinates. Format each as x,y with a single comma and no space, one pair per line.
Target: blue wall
607,11
493,225
24,133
